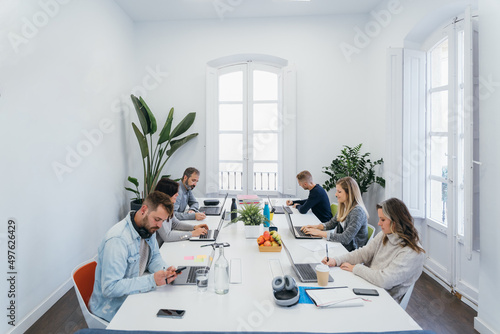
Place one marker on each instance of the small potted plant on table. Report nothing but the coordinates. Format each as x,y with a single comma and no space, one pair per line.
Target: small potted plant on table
252,217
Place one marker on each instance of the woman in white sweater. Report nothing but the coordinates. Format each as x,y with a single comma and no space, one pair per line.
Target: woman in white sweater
173,229
394,259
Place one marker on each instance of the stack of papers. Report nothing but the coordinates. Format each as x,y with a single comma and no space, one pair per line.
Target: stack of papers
334,297
248,199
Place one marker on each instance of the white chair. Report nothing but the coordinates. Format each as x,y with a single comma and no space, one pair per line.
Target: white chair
406,297
83,277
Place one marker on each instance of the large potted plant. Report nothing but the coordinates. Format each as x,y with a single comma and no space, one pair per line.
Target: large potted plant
155,154
352,163
252,217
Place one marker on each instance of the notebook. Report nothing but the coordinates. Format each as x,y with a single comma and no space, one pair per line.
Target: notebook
298,234
188,275
213,210
280,209
211,234
334,297
305,271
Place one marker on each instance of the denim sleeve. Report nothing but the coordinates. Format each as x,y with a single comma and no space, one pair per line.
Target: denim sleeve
117,278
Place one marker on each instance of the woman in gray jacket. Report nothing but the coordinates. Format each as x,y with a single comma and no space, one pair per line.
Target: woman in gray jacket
350,224
394,259
173,229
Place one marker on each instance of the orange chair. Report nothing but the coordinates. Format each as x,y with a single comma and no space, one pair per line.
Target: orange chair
83,279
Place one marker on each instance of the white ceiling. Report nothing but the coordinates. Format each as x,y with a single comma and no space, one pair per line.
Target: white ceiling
160,10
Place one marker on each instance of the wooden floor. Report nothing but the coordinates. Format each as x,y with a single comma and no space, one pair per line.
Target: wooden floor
432,307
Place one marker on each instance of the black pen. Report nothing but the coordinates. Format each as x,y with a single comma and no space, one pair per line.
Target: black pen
327,259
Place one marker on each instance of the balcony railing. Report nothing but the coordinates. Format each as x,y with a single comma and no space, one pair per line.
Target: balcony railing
262,181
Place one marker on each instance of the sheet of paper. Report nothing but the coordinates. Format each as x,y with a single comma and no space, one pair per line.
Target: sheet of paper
319,245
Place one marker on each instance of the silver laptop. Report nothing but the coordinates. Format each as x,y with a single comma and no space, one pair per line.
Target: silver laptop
213,210
280,209
188,275
211,234
297,233
305,271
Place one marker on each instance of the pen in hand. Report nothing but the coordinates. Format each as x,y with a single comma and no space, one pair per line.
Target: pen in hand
327,258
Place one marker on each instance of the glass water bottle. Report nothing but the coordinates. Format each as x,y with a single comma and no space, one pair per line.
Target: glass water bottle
221,272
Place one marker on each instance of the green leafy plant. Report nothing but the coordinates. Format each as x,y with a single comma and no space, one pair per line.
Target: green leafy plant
249,214
154,157
352,163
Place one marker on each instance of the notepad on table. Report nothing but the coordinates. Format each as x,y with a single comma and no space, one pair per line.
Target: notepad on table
334,297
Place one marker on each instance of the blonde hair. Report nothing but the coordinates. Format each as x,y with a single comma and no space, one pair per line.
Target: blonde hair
351,188
305,176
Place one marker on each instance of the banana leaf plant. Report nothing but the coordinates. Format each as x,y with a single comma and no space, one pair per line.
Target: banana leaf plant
155,154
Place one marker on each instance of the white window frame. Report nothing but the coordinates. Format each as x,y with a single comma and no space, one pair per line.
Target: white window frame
287,79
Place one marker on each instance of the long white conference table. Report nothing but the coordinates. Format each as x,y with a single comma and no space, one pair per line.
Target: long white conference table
249,305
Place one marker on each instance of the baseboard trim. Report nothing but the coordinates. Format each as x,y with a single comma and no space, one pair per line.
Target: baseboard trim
482,327
25,323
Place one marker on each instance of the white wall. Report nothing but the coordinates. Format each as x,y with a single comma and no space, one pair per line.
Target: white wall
65,78
337,104
487,320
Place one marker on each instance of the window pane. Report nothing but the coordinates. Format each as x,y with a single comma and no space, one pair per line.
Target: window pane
439,65
230,146
439,156
265,116
230,176
439,112
439,195
265,146
231,86
265,85
265,176
231,117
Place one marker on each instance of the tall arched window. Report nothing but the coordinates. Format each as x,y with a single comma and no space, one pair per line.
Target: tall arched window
249,118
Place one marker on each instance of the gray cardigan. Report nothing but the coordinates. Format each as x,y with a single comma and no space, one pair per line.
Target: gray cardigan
388,266
173,230
355,233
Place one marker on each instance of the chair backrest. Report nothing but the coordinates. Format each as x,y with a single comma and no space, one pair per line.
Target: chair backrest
83,279
335,208
406,297
371,232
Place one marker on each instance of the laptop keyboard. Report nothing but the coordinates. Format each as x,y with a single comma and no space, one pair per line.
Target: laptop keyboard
287,209
192,274
206,236
300,232
306,271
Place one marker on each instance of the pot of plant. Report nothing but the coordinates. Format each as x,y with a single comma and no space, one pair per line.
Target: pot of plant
156,152
252,217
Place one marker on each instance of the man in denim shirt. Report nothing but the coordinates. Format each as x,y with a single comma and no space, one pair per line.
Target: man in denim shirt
186,198
120,271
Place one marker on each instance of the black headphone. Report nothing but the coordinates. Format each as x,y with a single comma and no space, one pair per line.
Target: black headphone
143,232
285,290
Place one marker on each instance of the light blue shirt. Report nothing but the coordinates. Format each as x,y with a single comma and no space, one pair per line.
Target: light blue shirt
117,271
184,200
